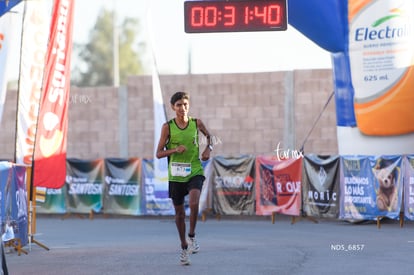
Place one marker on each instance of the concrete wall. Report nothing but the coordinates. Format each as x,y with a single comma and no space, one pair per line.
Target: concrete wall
248,114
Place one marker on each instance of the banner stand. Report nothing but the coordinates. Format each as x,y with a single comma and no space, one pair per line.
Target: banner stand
32,210
16,244
401,219
298,218
205,212
379,218
80,216
294,219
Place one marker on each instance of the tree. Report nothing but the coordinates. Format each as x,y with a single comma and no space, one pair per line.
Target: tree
95,66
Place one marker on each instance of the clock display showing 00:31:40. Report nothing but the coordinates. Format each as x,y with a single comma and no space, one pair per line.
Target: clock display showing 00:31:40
235,16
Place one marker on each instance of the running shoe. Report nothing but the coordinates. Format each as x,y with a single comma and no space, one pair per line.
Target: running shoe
185,257
193,246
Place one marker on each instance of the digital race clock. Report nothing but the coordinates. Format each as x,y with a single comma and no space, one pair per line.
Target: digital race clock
235,16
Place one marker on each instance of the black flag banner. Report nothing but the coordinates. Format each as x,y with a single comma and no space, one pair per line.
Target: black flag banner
84,182
321,186
122,192
233,185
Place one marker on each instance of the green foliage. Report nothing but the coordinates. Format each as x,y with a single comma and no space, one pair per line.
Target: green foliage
95,58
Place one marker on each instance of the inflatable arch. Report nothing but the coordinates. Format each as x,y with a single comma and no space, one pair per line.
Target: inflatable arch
372,47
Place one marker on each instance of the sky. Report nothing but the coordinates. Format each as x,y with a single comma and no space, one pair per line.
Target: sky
162,30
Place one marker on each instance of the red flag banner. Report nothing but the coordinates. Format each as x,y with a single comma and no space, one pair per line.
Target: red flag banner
278,185
50,146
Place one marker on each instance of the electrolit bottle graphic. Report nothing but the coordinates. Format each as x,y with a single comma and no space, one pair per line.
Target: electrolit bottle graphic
381,52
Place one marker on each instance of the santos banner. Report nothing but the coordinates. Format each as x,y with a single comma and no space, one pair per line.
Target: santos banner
232,182
84,183
320,189
370,187
122,186
278,185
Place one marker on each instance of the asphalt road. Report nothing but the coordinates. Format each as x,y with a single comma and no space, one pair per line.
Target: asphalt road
232,245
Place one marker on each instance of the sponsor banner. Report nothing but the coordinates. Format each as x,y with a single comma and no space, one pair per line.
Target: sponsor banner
36,21
13,196
51,134
381,52
155,200
372,46
122,193
320,186
50,200
370,187
84,186
388,180
278,185
357,189
232,181
409,187
379,65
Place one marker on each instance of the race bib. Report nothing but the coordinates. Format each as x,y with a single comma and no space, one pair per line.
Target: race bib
179,169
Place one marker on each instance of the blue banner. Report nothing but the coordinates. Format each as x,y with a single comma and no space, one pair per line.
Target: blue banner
409,187
6,6
13,201
7,221
19,203
388,180
155,196
371,187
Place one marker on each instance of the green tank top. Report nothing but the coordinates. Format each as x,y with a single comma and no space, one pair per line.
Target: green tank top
182,167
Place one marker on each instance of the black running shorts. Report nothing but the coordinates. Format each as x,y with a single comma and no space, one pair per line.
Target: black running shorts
178,190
